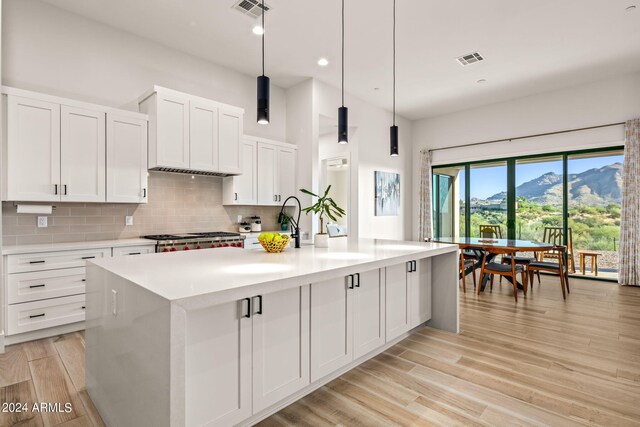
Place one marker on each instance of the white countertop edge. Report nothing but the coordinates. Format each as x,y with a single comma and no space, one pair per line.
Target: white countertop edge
207,298
70,246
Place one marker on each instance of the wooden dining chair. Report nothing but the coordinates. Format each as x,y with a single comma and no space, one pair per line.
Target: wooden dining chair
467,266
490,231
559,268
555,236
511,270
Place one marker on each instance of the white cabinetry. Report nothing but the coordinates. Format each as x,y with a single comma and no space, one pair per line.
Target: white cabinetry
256,352
419,292
55,150
347,320
397,300
267,169
126,159
286,173
190,133
243,189
82,154
32,150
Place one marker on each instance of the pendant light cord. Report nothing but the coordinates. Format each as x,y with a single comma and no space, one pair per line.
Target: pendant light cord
343,53
263,37
394,62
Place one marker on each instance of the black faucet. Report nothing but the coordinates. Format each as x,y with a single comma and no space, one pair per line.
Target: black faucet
296,224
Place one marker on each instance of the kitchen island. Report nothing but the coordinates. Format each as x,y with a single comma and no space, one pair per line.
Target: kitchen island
226,337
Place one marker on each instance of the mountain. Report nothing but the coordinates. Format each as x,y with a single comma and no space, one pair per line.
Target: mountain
598,186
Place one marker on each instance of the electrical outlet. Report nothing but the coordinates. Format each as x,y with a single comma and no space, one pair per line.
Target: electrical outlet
42,222
128,220
114,302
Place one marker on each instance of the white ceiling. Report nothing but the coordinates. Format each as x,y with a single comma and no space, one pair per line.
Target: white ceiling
531,46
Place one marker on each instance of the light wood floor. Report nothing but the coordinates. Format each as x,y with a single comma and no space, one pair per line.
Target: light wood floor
538,362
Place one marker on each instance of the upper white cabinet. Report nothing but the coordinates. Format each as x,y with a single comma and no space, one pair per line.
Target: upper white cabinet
32,147
243,189
126,158
190,133
57,148
268,174
82,154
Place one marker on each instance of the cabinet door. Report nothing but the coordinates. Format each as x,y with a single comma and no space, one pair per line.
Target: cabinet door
331,326
286,173
368,313
397,315
267,164
280,345
420,293
218,365
246,184
203,131
230,142
82,148
33,150
126,159
172,138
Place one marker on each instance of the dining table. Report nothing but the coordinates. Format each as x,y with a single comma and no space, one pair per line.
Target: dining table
482,246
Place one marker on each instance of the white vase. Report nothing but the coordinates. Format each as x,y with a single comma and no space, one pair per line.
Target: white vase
321,240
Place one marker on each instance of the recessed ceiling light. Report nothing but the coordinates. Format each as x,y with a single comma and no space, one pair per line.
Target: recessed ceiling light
630,8
257,30
323,62
482,81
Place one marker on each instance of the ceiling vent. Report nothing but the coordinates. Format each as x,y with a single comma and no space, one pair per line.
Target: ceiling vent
469,59
252,8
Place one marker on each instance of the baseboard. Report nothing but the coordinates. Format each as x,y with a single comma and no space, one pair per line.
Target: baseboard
319,383
43,333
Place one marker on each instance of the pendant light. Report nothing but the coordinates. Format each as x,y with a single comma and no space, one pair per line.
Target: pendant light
394,129
343,112
263,85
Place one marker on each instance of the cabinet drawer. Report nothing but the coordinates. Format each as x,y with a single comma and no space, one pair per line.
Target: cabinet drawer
134,250
31,316
25,287
53,260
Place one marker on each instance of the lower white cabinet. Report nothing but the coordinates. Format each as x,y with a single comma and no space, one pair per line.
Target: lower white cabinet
256,352
347,320
397,300
133,250
30,316
38,285
419,292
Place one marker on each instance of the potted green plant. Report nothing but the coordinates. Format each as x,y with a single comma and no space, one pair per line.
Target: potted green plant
324,205
284,222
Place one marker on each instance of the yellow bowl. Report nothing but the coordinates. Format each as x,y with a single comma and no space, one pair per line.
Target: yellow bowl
275,247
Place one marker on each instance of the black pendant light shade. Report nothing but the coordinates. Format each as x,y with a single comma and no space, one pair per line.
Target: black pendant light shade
263,100
393,137
343,112
263,85
343,125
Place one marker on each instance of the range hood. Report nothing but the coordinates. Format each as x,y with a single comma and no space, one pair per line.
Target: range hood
190,172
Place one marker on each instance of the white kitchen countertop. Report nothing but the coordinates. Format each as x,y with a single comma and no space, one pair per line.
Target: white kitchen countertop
188,276
70,246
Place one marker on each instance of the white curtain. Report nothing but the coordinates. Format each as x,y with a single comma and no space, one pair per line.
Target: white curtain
629,253
425,210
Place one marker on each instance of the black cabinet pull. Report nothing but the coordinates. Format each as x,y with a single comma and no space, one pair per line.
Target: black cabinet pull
248,315
36,286
259,302
357,276
65,189
84,280
135,253
55,189
235,196
144,193
36,262
409,267
349,279
415,265
33,316
83,307
88,257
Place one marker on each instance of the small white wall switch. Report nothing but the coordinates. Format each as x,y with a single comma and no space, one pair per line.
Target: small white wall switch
128,220
42,222
239,219
114,302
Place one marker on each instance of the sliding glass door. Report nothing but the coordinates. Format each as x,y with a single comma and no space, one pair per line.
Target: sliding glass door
572,198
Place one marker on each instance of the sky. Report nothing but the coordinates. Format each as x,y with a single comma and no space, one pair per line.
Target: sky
487,181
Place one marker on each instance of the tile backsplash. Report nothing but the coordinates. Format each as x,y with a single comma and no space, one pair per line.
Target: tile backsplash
177,204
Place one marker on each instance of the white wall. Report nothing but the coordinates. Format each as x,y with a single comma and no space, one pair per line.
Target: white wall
603,102
50,50
369,148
